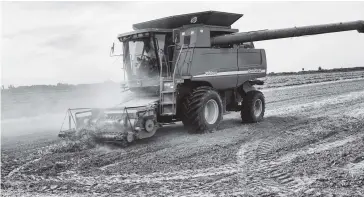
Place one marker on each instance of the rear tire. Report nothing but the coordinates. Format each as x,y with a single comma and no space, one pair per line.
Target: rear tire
253,107
202,110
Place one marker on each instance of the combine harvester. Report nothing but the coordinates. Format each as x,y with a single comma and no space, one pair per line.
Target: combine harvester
191,68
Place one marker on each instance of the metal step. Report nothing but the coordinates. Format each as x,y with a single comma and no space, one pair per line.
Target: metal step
168,91
168,97
168,110
168,103
167,114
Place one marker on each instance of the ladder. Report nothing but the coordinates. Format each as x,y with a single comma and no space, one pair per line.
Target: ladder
168,93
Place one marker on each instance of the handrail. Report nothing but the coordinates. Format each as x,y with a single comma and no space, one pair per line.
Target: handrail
161,63
167,65
175,65
160,82
174,76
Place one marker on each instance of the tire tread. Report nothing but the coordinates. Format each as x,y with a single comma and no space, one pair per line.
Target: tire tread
247,111
192,106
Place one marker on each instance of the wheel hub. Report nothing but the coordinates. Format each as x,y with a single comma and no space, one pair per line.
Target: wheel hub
258,107
149,125
211,111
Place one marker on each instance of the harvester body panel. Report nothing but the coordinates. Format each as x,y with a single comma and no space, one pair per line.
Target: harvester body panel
216,66
252,64
222,68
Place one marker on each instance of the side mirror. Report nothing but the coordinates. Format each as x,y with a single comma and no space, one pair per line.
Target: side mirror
112,49
116,49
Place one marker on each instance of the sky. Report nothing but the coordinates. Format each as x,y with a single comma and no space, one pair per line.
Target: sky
69,42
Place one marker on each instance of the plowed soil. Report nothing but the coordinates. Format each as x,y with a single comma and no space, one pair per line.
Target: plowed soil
311,143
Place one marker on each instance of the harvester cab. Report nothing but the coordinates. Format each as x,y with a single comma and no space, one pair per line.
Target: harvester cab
144,55
191,68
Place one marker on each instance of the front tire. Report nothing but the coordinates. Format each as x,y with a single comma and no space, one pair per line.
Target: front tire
202,110
253,107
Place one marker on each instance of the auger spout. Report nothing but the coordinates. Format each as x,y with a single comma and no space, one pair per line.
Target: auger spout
287,32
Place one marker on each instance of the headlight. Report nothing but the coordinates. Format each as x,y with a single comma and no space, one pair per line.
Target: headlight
168,85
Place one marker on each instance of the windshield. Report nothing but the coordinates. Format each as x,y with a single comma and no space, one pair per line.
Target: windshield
144,56
142,53
141,58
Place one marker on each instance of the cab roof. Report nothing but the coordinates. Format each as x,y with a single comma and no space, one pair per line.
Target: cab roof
143,32
213,18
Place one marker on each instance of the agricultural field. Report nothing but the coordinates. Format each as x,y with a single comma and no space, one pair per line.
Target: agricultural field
291,80
311,143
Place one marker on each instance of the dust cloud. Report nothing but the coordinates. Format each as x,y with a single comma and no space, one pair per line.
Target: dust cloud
36,109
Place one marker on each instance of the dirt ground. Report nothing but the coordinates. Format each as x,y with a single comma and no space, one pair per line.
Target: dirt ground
311,143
